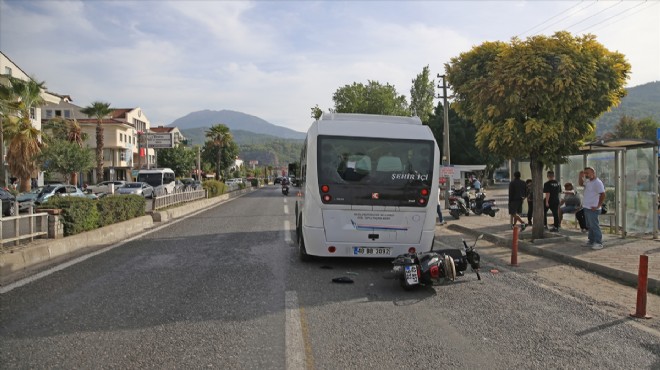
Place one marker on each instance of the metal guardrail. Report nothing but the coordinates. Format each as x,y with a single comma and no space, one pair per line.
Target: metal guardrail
27,226
164,201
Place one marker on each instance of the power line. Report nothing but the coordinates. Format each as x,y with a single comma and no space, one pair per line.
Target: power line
552,24
620,19
595,14
551,18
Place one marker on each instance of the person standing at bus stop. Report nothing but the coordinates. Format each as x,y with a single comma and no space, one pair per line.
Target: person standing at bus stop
592,201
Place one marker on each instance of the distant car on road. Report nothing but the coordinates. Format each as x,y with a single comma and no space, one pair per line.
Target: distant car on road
104,187
59,190
191,184
8,203
137,188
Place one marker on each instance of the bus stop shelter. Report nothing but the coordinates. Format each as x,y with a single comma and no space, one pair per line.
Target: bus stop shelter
629,171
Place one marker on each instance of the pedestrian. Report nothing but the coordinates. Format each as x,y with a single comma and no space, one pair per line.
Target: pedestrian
551,191
440,219
476,184
530,200
571,201
594,196
517,192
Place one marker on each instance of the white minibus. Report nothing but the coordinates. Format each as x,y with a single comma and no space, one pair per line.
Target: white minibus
368,187
162,179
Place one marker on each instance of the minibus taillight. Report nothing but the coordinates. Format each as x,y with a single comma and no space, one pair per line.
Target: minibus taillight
421,201
425,192
412,250
332,249
326,198
325,188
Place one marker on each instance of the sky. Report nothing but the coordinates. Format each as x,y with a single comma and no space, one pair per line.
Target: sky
278,59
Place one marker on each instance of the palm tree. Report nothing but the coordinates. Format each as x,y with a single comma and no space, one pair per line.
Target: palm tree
24,139
98,110
69,130
219,135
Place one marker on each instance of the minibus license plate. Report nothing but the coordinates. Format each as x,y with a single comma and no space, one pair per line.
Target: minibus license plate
360,251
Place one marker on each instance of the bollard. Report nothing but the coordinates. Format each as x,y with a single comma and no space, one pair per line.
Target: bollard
642,285
514,247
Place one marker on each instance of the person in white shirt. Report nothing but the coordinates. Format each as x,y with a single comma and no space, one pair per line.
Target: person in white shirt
592,201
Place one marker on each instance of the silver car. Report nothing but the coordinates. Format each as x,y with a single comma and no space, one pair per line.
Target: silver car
58,190
138,188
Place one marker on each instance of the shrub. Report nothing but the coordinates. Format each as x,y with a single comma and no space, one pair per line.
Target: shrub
117,208
254,182
78,214
214,188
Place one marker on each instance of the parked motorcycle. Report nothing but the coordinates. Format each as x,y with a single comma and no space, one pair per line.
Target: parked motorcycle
479,204
429,268
458,204
285,189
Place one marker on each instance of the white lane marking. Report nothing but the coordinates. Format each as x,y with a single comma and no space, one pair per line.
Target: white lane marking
35,277
295,346
287,231
285,201
286,209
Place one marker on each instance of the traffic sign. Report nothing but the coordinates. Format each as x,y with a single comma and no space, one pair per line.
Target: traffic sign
159,140
447,171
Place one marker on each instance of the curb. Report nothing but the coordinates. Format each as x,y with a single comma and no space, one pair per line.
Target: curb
42,253
625,277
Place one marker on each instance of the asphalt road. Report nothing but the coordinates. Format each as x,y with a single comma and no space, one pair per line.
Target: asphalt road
224,289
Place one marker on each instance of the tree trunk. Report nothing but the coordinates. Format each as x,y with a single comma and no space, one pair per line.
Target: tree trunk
74,178
3,171
536,168
99,152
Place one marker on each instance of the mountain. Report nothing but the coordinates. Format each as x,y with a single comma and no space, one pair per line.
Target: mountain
235,121
267,149
642,101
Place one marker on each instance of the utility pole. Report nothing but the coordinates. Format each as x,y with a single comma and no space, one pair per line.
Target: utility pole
445,136
445,133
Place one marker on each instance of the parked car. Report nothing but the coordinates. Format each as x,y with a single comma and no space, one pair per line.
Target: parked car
104,187
137,188
26,200
191,184
8,203
59,190
178,186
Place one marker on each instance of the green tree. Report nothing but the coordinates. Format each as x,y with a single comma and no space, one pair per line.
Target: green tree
631,128
66,158
180,159
372,98
220,136
421,95
537,98
98,110
316,112
65,129
23,97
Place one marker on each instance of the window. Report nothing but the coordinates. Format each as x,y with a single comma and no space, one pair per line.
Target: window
49,113
121,137
58,113
122,156
67,114
32,113
7,70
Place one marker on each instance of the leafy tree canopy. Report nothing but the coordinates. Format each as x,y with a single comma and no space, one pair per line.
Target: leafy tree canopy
421,95
372,98
630,128
180,159
65,157
537,96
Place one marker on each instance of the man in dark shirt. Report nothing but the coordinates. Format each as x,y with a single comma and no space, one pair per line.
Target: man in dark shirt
517,192
551,191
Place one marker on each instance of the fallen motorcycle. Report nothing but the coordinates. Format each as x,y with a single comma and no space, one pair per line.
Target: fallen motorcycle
434,267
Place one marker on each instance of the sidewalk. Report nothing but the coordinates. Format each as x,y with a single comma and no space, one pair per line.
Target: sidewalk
618,260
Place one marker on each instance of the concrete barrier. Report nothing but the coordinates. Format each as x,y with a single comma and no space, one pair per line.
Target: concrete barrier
24,261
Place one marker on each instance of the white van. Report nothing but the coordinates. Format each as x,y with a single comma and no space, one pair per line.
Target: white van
162,180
